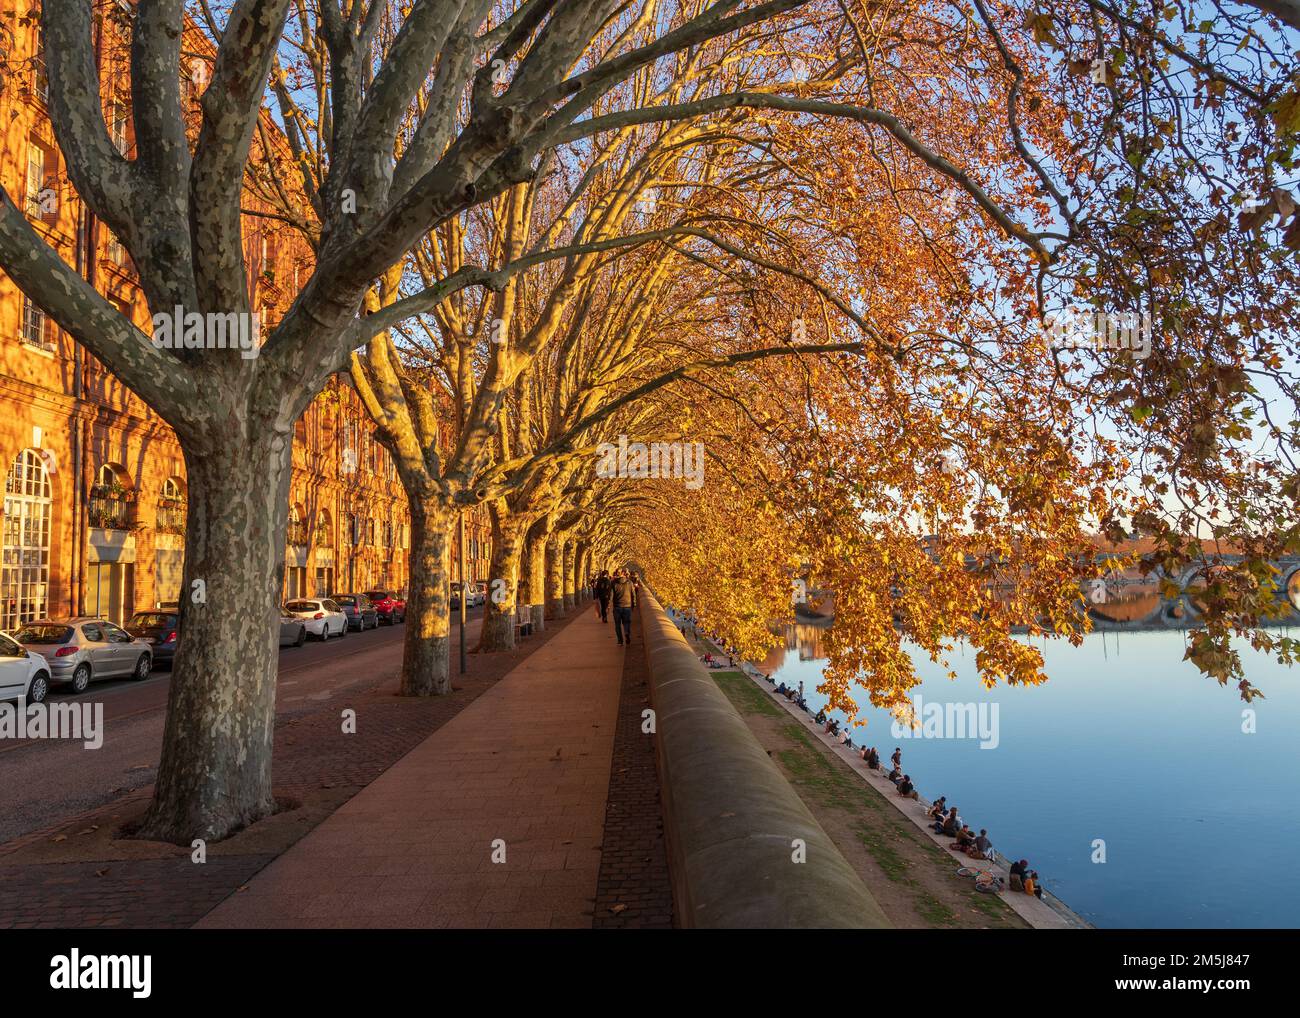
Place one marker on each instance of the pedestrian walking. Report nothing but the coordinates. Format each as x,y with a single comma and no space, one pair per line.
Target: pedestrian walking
623,598
603,587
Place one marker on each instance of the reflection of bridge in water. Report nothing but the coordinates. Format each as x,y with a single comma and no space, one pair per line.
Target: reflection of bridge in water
1122,600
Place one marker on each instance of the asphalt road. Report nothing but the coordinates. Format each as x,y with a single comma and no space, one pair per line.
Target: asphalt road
45,780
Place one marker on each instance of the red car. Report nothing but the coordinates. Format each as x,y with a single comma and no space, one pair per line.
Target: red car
391,607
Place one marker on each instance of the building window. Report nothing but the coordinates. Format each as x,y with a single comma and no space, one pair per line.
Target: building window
172,507
36,194
36,327
324,530
117,129
268,258
109,501
298,535
40,76
25,565
115,252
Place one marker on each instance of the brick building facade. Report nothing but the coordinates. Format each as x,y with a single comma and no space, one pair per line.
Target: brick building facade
94,501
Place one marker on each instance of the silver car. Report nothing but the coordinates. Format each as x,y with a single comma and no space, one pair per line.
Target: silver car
83,649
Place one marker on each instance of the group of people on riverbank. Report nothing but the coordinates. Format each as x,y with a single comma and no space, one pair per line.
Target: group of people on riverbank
945,820
688,626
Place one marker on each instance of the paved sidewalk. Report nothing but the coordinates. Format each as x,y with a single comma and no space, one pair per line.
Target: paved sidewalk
524,770
634,891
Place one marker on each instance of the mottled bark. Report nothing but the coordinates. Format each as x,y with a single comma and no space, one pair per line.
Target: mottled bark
582,575
554,578
426,654
570,589
499,617
214,776
535,571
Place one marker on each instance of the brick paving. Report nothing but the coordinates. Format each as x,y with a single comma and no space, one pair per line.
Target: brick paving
495,820
155,894
634,891
106,890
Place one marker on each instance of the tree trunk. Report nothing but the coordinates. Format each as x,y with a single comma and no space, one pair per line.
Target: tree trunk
499,618
580,574
535,571
570,591
214,775
426,653
554,578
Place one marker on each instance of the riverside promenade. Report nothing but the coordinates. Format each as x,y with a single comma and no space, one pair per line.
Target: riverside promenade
495,820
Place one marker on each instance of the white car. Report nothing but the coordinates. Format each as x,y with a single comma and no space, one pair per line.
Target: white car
321,617
477,595
22,673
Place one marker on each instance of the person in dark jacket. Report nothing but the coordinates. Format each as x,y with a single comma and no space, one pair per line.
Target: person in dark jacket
623,597
603,588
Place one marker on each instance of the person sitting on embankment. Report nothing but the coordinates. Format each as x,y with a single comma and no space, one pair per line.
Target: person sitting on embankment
871,758
938,809
906,788
1019,870
951,823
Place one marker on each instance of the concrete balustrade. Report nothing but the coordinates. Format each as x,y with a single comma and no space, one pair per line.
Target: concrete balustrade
732,822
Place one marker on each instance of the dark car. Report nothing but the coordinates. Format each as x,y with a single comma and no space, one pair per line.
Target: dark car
390,606
360,612
159,630
293,632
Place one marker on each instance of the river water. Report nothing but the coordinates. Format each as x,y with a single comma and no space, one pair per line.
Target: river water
1129,755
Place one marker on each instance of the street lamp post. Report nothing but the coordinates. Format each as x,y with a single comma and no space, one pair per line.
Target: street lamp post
464,593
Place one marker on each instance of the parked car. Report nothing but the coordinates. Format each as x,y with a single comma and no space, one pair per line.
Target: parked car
455,597
322,617
389,604
159,629
23,673
293,632
83,649
477,595
360,612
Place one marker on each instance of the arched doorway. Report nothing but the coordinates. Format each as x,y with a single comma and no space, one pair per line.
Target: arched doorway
25,566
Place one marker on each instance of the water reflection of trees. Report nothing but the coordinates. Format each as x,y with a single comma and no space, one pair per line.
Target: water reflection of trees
807,640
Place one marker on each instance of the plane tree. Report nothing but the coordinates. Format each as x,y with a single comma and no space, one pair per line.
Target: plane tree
1092,153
